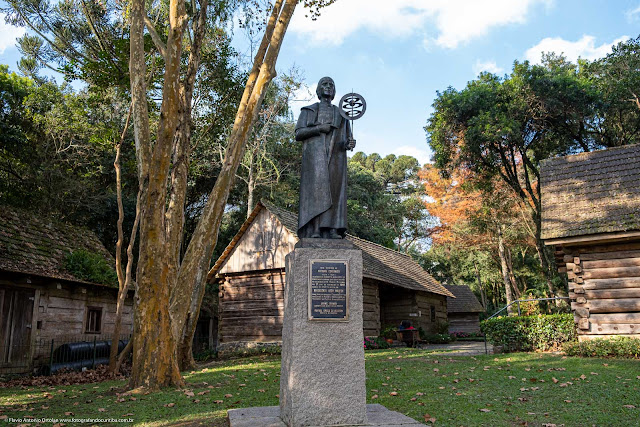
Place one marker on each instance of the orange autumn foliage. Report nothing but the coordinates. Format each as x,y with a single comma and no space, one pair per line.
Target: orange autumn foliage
451,202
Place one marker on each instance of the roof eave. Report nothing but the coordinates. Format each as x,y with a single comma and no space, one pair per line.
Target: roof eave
593,238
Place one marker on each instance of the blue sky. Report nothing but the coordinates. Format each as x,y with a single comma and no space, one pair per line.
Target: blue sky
398,53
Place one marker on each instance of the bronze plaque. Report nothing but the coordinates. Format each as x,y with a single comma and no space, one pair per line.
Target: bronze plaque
329,290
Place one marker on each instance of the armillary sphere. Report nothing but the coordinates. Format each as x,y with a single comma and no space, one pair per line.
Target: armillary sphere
352,106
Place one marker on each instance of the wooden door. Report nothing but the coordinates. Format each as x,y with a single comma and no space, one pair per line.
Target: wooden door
16,312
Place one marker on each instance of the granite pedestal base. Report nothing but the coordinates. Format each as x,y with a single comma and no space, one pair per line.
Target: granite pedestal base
269,416
322,380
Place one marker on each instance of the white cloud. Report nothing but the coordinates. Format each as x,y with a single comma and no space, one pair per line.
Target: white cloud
489,66
8,34
584,48
448,23
633,14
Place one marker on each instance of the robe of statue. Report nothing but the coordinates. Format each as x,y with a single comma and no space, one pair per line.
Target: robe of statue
323,177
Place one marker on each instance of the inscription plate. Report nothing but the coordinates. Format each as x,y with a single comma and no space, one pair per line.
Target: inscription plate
328,290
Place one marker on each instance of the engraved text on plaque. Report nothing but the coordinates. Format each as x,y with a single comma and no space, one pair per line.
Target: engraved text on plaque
328,290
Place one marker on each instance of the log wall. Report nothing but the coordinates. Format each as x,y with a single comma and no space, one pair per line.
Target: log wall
425,302
398,304
604,287
371,307
464,322
251,307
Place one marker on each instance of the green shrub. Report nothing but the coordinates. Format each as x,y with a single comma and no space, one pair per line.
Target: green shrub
389,331
527,333
442,327
374,343
437,338
90,267
205,356
625,347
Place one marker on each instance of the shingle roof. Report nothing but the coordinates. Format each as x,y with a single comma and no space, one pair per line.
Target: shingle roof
465,300
591,193
33,245
379,263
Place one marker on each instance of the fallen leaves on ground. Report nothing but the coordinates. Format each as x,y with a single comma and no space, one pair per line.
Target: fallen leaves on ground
429,419
67,377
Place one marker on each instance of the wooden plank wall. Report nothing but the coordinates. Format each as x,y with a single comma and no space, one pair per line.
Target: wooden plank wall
371,307
604,287
63,311
251,306
60,310
262,247
464,322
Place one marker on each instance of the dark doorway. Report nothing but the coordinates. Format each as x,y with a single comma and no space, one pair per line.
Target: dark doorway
16,312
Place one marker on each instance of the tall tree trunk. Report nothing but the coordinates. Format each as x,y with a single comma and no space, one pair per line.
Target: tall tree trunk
154,351
124,279
505,270
189,291
545,262
512,277
483,294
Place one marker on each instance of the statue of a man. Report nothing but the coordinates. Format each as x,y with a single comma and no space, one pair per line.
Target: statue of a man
326,136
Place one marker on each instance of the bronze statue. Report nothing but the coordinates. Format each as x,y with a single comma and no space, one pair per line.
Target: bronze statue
326,137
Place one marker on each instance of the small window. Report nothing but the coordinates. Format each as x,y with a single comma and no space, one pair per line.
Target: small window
94,320
433,313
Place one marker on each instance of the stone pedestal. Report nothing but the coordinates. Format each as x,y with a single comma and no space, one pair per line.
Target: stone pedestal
322,379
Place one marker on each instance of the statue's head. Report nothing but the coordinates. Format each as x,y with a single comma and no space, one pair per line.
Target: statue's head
327,87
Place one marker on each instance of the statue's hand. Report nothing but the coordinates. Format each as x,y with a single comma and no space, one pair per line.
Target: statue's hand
351,144
324,128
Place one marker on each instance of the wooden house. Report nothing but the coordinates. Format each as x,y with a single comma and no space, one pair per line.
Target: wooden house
463,311
42,304
591,214
251,271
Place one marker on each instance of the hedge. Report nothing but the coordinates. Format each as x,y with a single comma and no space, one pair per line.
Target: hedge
527,333
626,347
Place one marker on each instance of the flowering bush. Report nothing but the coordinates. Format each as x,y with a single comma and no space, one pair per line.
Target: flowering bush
374,343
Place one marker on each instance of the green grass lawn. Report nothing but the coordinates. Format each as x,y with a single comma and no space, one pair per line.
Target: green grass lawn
505,390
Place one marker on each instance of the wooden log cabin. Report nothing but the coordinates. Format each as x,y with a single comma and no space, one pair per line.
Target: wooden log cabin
250,274
591,215
40,300
464,310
